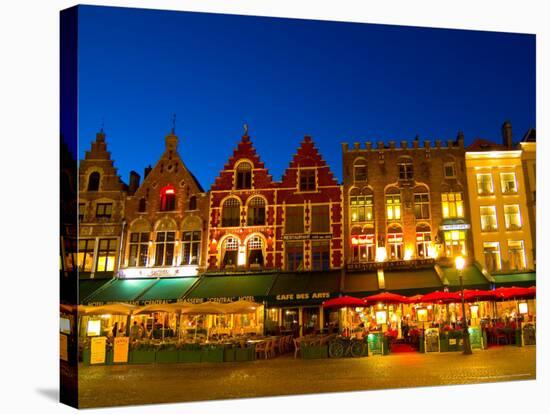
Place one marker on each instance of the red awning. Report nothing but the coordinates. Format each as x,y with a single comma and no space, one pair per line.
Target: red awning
344,302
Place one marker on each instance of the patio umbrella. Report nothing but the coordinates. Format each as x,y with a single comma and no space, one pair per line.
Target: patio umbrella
514,292
344,302
476,295
112,309
414,299
161,307
441,297
387,298
241,306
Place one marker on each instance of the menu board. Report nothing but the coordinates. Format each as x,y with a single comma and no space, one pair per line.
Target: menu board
475,337
120,352
97,350
63,347
432,340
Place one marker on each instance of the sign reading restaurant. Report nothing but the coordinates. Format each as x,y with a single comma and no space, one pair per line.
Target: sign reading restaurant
308,236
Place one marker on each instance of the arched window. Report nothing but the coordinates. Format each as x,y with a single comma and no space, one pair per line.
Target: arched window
421,203
231,213
244,176
393,204
363,244
255,251
93,181
139,243
230,251
168,198
165,242
192,203
191,240
405,169
395,243
423,241
256,212
142,207
360,170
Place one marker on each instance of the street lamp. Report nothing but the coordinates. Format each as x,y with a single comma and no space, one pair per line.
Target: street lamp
459,264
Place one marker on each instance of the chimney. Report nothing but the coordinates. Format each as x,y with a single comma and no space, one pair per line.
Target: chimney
134,182
146,172
507,134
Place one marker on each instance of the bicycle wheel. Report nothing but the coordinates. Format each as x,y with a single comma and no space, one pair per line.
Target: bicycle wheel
336,349
357,349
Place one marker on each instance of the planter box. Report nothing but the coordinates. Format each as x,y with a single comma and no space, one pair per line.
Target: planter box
421,347
314,352
86,356
212,354
109,357
443,344
189,355
167,356
142,357
229,354
245,354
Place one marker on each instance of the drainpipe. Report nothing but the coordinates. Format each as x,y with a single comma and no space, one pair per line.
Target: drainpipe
121,244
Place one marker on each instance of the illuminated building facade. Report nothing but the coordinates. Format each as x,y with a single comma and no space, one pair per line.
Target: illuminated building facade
500,205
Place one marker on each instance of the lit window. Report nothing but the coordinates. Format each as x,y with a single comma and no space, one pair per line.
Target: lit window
307,180
106,255
484,184
164,253
255,252
488,215
512,217
168,199
139,249
393,206
422,206
360,170
508,183
231,213
516,255
244,176
363,245
103,210
423,241
256,212
449,170
452,205
455,243
361,208
85,256
491,251
395,243
405,170
230,251
191,247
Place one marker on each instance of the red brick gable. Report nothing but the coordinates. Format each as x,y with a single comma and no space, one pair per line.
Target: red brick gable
245,150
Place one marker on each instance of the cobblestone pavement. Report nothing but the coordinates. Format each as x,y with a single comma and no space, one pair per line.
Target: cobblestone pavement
284,375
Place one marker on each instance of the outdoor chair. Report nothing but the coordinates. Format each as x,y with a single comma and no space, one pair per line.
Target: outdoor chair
261,348
296,346
499,335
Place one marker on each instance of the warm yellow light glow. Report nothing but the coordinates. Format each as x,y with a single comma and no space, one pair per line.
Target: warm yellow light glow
408,254
445,209
422,314
429,306
523,308
474,311
380,254
241,256
459,262
354,240
381,317
369,216
106,316
432,252
94,327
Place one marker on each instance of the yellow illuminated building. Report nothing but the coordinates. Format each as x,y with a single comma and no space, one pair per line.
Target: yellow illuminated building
501,227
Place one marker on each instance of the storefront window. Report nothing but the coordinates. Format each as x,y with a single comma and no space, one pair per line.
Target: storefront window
310,320
512,217
395,243
488,215
516,254
256,212
294,256
255,251
491,251
164,254
191,247
106,255
294,220
484,184
508,183
320,219
139,249
231,213
452,205
422,206
85,254
290,319
361,208
393,206
230,251
455,243
320,251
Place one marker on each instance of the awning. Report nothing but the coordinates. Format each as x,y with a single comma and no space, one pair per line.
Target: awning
87,287
231,287
120,290
471,276
360,284
412,281
167,290
307,288
517,279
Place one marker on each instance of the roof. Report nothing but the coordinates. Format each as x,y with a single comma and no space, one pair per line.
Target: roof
481,144
412,281
530,135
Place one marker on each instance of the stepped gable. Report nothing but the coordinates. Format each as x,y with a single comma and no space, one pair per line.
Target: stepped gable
245,151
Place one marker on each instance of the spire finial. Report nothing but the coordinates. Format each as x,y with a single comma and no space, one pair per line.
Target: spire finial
245,127
102,125
173,123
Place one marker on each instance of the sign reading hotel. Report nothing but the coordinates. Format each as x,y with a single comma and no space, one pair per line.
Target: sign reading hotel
228,299
120,351
303,296
308,236
97,350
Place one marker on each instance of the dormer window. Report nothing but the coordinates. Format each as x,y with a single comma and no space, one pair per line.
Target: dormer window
93,181
244,176
307,180
168,199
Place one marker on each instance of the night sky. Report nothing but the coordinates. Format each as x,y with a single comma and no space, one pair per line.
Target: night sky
338,82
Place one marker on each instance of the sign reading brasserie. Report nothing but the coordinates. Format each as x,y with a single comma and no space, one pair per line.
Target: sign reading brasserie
308,236
391,264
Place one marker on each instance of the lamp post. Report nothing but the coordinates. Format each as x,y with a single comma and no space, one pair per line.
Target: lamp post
459,264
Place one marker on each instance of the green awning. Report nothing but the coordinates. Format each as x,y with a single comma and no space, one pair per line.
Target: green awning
304,288
517,279
87,287
360,284
412,281
121,290
231,287
167,290
471,276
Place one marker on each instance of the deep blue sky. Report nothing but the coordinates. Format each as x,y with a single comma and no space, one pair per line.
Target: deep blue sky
339,82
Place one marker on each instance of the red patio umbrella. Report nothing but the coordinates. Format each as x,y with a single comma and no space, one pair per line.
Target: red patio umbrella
514,292
414,299
344,302
441,297
386,297
475,295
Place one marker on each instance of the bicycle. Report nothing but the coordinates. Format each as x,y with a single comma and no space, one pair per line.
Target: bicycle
340,347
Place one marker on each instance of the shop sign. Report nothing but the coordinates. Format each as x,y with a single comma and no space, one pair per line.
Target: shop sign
308,236
120,351
63,347
392,264
449,227
303,296
97,350
178,271
231,299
